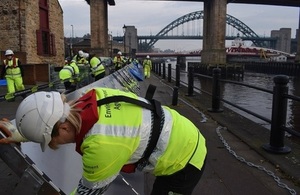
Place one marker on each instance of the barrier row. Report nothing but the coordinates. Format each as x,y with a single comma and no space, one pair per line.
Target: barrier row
38,171
279,101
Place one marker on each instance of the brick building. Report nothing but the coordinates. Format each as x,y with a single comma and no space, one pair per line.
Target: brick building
34,31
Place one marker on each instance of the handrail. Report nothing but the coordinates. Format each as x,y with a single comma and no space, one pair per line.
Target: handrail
279,106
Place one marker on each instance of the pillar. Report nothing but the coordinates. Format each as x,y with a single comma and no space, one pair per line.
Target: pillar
297,59
99,27
214,30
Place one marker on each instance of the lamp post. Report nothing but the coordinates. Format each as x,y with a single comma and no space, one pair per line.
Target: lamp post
129,52
124,31
71,45
111,43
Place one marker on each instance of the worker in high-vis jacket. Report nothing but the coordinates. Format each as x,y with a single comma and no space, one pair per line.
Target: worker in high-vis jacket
96,67
69,75
13,72
79,58
154,138
147,64
119,61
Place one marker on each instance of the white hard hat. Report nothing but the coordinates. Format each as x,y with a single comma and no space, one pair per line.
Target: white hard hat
37,114
120,53
85,55
147,56
80,53
9,52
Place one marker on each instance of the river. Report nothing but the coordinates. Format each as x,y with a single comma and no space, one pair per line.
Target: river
252,99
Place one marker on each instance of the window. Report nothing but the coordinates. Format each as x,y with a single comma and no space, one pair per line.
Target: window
45,39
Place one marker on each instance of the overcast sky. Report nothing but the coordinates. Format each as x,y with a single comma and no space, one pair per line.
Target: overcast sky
149,17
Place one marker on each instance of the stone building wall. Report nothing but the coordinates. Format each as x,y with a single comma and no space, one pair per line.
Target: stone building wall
9,25
19,22
56,27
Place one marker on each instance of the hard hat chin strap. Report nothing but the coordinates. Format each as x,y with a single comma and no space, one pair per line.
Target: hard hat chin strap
66,112
47,139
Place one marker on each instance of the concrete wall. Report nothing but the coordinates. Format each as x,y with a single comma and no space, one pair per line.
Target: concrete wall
284,39
131,41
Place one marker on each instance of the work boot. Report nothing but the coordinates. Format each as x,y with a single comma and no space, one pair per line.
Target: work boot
24,95
11,100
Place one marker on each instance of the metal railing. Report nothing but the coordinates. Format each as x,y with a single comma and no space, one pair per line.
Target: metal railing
279,101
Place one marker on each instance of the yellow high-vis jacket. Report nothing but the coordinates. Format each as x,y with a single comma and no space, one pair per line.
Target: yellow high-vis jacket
96,66
70,72
118,134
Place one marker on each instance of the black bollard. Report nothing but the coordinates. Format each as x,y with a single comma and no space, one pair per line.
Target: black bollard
175,96
159,69
190,81
164,71
177,75
279,110
215,107
169,73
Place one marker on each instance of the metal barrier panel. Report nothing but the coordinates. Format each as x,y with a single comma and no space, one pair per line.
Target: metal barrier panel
58,172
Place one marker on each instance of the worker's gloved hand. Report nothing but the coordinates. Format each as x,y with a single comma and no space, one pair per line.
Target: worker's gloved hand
11,132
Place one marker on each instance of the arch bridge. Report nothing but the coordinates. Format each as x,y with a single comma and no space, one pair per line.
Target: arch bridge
242,29
189,27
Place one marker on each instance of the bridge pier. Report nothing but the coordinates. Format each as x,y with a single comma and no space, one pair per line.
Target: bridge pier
214,30
297,57
99,27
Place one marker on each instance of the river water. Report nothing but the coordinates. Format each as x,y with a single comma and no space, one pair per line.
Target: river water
251,99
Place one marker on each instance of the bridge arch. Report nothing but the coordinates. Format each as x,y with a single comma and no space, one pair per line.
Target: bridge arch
244,30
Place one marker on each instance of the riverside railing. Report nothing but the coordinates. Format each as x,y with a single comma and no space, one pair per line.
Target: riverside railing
279,101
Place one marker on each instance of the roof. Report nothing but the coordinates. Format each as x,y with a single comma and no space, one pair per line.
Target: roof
84,42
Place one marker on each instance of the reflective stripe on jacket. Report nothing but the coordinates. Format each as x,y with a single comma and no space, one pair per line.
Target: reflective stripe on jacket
12,68
121,134
96,66
69,71
119,61
147,62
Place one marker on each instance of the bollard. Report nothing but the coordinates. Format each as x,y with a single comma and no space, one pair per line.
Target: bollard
169,73
279,111
215,107
155,68
190,81
159,69
175,96
177,75
164,71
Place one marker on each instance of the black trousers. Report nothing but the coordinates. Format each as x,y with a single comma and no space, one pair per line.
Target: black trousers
100,76
182,182
69,86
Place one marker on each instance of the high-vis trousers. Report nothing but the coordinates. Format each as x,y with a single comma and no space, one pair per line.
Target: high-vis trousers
147,71
14,84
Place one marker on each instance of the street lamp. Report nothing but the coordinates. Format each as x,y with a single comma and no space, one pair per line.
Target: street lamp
71,45
111,43
129,52
124,31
